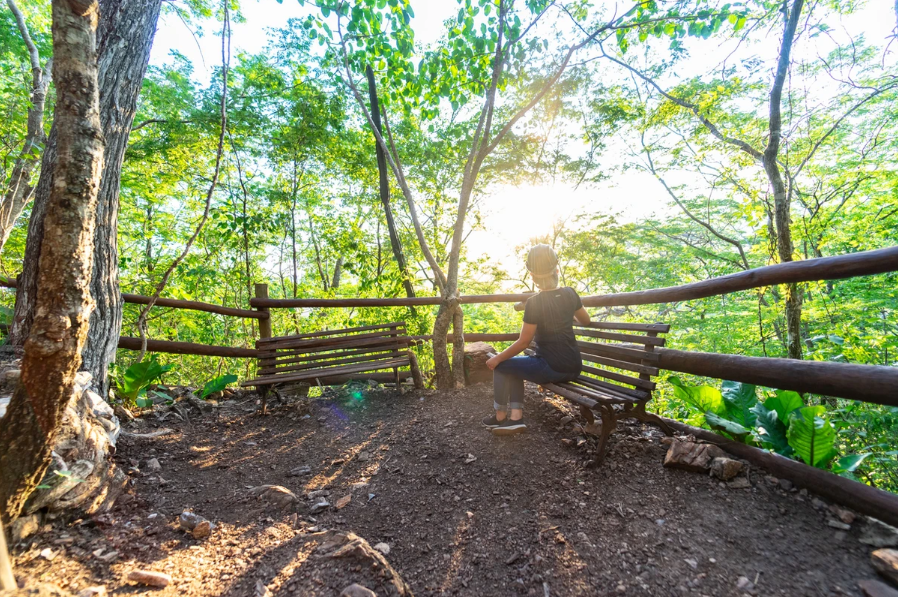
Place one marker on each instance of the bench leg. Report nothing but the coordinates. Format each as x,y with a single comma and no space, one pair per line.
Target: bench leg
639,413
586,413
264,391
396,377
609,424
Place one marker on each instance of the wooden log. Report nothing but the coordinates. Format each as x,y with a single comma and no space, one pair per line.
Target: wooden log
385,302
867,383
137,299
865,263
129,343
395,324
857,496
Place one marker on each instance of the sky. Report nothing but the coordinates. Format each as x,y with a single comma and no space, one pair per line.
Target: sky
511,215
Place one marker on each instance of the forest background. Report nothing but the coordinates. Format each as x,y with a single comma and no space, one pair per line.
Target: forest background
632,188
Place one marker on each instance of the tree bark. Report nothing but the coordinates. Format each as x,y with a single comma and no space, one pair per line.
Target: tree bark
19,190
385,187
63,302
125,34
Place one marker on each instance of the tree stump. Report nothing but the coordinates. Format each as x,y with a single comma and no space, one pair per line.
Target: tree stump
476,356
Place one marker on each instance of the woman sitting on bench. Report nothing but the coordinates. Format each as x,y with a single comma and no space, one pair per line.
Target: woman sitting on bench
548,317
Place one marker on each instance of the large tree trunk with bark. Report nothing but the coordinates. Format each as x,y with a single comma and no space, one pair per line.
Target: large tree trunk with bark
62,302
125,34
19,190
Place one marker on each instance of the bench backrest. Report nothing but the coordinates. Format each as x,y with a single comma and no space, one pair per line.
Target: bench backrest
287,355
619,359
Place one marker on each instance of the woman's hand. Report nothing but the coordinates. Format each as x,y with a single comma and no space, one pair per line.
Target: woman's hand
493,362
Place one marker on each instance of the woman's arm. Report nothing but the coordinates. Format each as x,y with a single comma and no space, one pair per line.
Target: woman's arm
581,316
528,330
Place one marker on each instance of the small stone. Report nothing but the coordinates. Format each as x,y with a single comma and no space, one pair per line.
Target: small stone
109,556
470,514
838,524
364,456
692,563
343,502
202,530
691,456
846,516
786,484
300,471
383,548
725,468
621,588
317,493
149,578
818,504
739,483
886,563
878,534
153,466
48,554
357,590
770,479
261,590
470,458
278,496
874,588
96,591
320,506
743,584
567,442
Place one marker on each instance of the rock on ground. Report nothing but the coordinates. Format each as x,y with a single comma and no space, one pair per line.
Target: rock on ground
278,496
874,588
692,456
886,563
476,356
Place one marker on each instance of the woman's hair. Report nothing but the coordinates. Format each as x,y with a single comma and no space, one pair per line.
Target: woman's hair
548,282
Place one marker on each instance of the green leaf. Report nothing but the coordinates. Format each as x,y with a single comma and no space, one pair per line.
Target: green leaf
739,398
812,436
140,375
769,431
217,385
703,398
784,402
848,464
731,427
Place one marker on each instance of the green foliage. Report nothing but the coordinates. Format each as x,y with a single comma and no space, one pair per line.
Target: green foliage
812,436
217,385
133,384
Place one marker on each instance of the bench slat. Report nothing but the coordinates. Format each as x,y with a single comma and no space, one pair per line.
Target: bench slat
346,343
325,342
289,359
365,328
620,364
661,328
623,352
572,395
598,394
278,369
610,387
330,372
619,377
650,340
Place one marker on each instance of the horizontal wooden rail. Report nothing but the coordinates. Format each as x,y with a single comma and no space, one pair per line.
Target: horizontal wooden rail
865,263
867,383
472,337
857,496
139,299
418,301
169,347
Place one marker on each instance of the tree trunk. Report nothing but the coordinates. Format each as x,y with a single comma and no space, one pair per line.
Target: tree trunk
19,189
63,303
385,188
125,36
458,347
338,271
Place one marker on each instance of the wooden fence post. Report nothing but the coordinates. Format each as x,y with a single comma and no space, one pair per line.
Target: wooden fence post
265,323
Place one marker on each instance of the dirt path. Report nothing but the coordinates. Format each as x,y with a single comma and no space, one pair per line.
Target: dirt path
463,512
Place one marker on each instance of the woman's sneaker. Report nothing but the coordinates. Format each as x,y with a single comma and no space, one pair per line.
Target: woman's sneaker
509,427
491,422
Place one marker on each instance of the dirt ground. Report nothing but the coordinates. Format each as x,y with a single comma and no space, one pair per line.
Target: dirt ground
461,511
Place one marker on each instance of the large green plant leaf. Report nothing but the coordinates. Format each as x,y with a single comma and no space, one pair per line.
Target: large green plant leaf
217,385
739,398
769,431
849,464
138,376
703,398
812,436
731,427
784,402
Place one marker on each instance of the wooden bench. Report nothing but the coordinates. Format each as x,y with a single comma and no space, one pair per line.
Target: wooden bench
611,356
333,357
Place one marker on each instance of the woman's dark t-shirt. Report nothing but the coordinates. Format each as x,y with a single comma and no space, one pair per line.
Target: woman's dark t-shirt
553,313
